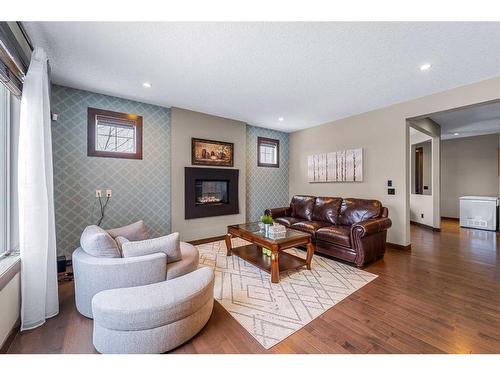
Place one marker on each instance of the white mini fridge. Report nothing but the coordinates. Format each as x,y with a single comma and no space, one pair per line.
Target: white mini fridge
479,212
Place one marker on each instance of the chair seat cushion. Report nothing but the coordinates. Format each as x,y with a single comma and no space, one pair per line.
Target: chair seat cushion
287,221
309,226
337,234
154,305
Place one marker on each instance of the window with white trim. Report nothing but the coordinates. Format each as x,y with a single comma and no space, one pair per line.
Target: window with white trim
4,170
268,152
4,123
9,132
114,134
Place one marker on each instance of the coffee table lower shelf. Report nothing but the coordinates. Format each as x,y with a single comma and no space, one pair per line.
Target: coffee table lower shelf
253,255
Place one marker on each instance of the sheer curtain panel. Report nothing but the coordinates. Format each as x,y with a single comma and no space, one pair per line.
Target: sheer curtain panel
37,237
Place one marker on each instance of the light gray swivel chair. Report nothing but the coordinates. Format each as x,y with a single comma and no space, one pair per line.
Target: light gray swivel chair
95,273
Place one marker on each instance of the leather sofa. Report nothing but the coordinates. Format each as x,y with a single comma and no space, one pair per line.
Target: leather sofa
350,229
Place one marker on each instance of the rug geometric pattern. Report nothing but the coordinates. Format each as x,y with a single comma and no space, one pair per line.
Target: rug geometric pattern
271,312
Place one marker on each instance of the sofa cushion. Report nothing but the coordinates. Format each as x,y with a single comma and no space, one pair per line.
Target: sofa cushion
133,232
287,221
355,210
309,226
97,242
170,245
327,209
302,206
337,234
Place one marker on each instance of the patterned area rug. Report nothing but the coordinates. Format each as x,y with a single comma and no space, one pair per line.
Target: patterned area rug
272,312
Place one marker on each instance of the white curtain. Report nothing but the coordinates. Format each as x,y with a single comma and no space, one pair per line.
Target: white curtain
37,238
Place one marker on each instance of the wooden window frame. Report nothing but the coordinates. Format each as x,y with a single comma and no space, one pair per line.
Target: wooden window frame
91,136
276,142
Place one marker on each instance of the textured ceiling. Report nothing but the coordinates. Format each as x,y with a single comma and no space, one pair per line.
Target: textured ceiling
308,73
471,121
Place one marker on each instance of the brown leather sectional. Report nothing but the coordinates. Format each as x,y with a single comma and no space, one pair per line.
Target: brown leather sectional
350,229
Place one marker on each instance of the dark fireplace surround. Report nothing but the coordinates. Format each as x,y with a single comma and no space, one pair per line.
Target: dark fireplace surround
210,192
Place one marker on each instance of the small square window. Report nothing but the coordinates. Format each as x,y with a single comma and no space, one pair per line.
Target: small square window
114,134
268,152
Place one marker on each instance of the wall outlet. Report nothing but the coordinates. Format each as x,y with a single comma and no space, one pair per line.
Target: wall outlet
109,192
422,216
98,194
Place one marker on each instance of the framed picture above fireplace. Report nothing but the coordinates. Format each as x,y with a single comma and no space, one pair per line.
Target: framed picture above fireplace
215,153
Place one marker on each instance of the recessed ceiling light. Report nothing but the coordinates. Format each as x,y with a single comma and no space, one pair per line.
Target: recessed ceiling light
147,84
281,119
456,133
425,67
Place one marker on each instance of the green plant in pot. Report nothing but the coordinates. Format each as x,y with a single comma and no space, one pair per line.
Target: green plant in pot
267,220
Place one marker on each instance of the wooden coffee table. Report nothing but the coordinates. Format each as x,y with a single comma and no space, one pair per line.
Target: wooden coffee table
279,260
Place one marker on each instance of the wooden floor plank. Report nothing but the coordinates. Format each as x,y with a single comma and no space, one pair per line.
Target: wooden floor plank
442,297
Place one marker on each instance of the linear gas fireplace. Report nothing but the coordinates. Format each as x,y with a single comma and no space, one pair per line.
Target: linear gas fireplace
210,192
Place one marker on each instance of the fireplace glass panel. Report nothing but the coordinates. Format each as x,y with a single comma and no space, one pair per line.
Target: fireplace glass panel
211,192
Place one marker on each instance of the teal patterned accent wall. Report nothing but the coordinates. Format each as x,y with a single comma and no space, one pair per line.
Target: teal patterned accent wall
266,187
141,188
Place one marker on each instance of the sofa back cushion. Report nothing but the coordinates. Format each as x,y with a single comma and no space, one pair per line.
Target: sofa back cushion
302,206
327,209
354,210
97,242
133,232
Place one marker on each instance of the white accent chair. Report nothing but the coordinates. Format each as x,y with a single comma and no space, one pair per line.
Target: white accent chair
93,274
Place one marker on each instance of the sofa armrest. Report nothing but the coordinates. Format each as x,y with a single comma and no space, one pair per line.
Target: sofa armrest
278,212
370,226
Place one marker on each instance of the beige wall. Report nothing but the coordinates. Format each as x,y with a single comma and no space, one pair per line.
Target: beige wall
10,305
185,125
383,134
469,166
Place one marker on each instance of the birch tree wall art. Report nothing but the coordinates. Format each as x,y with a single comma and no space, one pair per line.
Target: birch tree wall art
338,166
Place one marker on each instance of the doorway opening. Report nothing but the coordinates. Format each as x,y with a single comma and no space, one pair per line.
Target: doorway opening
462,146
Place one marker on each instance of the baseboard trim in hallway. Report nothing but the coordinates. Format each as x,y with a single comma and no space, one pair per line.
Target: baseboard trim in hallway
425,226
399,247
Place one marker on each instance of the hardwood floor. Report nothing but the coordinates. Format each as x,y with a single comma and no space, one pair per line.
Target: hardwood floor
442,297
